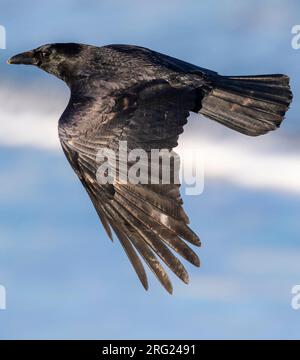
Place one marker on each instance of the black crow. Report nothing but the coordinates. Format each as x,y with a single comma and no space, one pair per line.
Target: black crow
133,94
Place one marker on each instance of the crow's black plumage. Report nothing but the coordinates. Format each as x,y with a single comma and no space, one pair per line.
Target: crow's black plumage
129,93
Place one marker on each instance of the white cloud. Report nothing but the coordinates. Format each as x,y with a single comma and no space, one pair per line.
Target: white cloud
268,162
250,168
29,118
29,129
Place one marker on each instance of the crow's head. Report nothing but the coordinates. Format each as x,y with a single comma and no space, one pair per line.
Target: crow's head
66,60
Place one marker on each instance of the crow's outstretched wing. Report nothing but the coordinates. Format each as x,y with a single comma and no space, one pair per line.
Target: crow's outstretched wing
147,218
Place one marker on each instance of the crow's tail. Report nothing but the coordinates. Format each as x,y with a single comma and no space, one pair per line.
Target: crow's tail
252,105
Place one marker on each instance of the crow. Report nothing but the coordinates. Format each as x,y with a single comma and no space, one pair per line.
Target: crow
133,94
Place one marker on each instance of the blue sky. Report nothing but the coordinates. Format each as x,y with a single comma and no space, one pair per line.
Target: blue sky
64,278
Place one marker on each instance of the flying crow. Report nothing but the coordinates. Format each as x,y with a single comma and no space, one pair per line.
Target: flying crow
141,97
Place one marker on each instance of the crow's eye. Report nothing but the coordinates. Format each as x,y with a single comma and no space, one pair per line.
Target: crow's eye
45,54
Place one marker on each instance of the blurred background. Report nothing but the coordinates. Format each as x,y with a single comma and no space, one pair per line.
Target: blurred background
63,277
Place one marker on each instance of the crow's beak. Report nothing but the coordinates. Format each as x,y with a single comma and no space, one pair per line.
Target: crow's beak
26,58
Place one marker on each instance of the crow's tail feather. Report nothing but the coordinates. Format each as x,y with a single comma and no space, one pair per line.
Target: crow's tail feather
252,105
